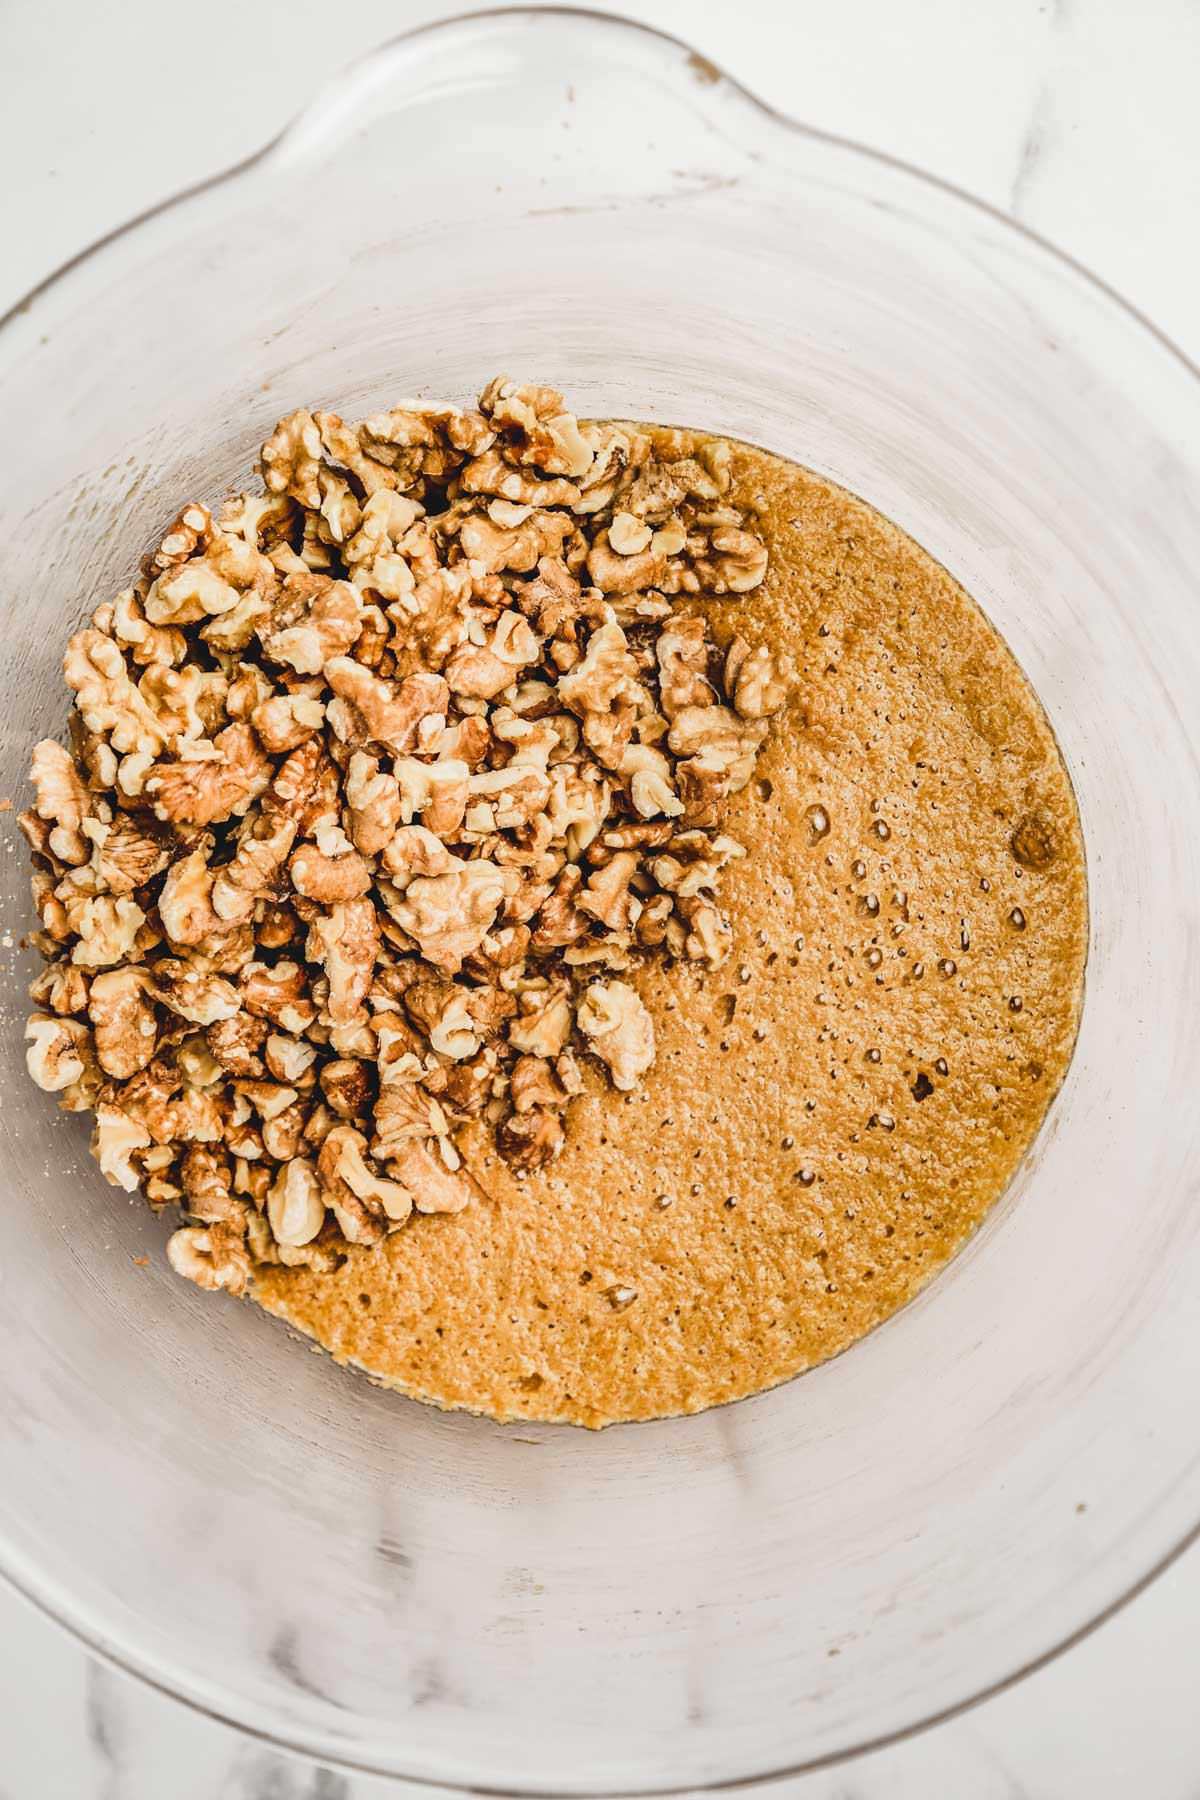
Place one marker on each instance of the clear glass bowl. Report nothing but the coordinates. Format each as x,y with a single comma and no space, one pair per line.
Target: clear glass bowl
803,1574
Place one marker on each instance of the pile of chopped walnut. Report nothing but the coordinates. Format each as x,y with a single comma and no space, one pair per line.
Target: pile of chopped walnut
378,788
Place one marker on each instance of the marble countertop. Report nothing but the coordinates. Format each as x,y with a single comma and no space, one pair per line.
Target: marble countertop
1079,117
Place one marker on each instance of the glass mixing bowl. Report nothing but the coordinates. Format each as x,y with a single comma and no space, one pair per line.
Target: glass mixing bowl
573,199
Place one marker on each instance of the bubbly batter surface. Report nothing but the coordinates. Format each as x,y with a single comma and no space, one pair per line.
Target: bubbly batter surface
833,1111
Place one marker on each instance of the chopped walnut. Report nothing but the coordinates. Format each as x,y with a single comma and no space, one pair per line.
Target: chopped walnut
62,799
295,1206
235,1044
354,1188
233,772
528,1140
373,802
108,927
716,741
251,874
380,711
124,1022
129,852
345,942
373,786
291,459
58,1051
346,1087
212,1256
449,915
314,619
619,1030
761,683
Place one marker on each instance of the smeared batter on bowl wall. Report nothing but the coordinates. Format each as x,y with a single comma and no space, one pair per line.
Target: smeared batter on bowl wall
835,1109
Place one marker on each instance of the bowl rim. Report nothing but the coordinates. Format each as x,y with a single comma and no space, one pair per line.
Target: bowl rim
350,78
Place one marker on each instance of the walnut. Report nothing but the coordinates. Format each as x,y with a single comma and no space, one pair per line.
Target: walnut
108,701
209,791
191,531
346,1087
606,678
682,654
512,488
442,1009
438,791
413,850
236,1042
107,928
213,1256
277,925
357,1190
449,915
185,902
279,995
131,852
707,938
304,781
344,447
288,1058
653,921
117,1137
537,427
62,799
694,862
285,721
207,1180
762,682
500,953
381,711
295,1205
615,573
314,619
718,742
510,798
124,1023
231,632
619,1030
544,1024
559,921
648,774
373,803
434,1187
211,584
731,562
606,896
517,547
373,551
291,459
283,1133
257,861
196,1063
345,941
59,1050
189,703
534,1082
63,987
486,669
528,1140
328,879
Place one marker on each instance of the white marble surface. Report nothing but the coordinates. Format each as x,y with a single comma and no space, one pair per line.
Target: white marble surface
1077,115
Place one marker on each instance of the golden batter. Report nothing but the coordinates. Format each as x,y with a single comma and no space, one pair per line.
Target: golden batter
833,1111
